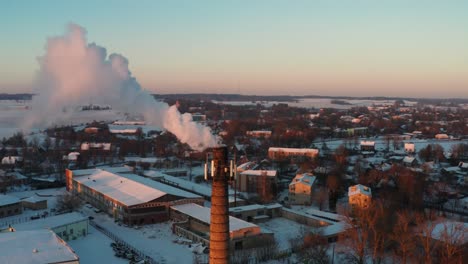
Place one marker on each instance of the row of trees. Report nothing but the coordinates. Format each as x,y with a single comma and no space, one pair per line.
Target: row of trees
405,236
377,235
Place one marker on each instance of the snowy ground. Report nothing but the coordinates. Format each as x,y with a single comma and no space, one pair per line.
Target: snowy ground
154,240
95,248
12,114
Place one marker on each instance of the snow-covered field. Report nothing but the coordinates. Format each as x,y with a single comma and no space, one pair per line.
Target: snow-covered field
153,240
12,115
95,248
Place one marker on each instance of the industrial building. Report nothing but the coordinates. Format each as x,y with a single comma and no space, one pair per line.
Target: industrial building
129,198
35,246
194,223
68,226
10,205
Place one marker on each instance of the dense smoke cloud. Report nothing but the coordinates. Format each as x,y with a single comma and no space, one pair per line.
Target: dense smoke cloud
73,72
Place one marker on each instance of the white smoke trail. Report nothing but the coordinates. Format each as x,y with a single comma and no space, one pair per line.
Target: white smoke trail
72,72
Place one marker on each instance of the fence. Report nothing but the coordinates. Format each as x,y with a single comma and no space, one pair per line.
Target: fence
17,220
141,254
180,231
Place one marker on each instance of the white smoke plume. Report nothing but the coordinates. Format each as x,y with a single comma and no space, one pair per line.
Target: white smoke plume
73,72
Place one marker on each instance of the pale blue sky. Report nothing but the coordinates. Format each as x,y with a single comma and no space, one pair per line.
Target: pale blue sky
394,48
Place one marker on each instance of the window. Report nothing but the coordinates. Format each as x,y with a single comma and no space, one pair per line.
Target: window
71,230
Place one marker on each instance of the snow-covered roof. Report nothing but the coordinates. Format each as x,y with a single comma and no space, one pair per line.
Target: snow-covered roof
261,132
294,150
7,199
128,188
51,222
368,143
34,199
247,166
160,186
123,123
408,159
269,173
203,214
73,156
187,185
123,131
37,246
8,160
119,188
359,188
144,160
305,178
252,207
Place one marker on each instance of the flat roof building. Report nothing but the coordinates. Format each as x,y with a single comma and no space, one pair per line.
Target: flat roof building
128,197
35,246
196,220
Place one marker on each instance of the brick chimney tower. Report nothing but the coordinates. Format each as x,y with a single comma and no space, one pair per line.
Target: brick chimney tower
219,222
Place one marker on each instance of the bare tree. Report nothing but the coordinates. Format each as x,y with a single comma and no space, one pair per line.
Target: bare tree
314,249
452,236
402,237
68,202
355,238
424,238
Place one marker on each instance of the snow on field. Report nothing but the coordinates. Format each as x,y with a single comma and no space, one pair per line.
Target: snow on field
95,248
154,240
12,114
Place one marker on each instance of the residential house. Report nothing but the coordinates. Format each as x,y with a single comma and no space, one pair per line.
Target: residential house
259,182
359,196
300,189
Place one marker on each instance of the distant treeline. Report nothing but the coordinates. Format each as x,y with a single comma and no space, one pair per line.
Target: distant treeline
21,96
227,97
289,98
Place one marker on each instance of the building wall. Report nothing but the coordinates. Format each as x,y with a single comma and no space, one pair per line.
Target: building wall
280,154
11,209
359,200
40,205
73,230
255,184
300,193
